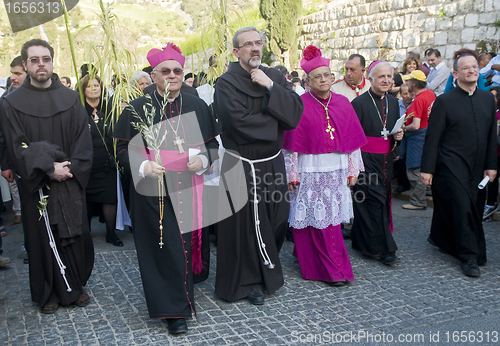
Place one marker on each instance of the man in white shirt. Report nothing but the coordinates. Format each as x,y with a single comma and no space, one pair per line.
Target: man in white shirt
437,78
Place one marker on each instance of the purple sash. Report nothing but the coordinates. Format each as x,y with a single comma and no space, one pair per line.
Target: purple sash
377,145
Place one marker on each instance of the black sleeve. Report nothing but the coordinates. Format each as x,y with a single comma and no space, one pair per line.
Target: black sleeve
435,130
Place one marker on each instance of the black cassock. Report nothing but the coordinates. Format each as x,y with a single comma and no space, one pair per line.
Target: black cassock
167,272
371,230
460,144
253,123
55,115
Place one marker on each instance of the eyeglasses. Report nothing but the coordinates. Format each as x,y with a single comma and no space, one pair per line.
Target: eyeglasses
167,71
249,44
318,77
44,59
465,68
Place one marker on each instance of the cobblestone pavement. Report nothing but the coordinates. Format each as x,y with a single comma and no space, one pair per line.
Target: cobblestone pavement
427,288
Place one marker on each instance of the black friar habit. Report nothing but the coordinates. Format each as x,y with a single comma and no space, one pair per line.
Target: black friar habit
372,227
459,146
55,115
253,122
167,272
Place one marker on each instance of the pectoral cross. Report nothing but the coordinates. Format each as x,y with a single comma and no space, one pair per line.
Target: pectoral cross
161,244
384,133
330,130
178,142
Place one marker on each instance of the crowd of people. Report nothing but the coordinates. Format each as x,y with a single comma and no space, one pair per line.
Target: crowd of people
290,158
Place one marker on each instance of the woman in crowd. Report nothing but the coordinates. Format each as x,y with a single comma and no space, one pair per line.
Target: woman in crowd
101,189
141,80
409,65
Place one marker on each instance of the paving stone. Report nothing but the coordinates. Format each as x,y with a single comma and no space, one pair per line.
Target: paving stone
426,287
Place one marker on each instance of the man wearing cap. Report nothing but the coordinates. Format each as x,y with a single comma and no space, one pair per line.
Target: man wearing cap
377,112
415,130
354,82
171,249
255,105
320,173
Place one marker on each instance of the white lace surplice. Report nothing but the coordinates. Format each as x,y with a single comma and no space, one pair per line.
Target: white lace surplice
323,197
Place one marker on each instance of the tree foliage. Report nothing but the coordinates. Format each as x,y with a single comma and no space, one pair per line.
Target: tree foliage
281,17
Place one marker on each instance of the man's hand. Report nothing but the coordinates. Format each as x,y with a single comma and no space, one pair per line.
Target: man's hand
489,172
258,76
352,181
195,164
398,135
8,175
426,178
495,67
293,186
61,171
152,169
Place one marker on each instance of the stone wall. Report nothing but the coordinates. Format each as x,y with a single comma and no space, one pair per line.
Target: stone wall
389,28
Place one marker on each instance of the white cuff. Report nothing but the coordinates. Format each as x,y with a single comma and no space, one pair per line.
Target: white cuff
141,169
204,160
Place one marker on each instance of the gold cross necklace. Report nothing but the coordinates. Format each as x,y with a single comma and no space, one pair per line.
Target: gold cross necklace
329,128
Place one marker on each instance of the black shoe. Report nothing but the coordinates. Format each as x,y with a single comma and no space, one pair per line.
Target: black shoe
26,259
470,268
114,240
389,259
337,283
431,241
177,326
257,298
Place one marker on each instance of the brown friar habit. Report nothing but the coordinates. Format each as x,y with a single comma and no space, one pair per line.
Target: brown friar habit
253,122
460,145
55,115
371,230
167,272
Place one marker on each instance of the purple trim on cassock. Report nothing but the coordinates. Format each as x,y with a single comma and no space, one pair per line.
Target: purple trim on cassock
377,145
310,136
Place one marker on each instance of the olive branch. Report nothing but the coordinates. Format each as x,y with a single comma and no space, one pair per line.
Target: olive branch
152,134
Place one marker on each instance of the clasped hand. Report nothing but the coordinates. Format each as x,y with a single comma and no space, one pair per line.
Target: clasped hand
61,171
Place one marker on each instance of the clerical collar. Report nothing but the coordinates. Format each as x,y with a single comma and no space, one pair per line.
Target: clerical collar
469,93
375,95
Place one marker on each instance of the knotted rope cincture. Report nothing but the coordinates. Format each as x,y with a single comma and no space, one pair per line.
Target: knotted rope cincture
52,243
261,244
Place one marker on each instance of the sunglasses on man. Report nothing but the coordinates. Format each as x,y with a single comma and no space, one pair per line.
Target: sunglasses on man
167,71
36,60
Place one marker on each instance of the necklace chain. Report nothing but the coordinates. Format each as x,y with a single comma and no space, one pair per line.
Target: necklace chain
329,128
165,115
384,131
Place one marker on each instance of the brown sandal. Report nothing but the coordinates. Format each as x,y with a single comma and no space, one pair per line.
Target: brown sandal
50,308
83,301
